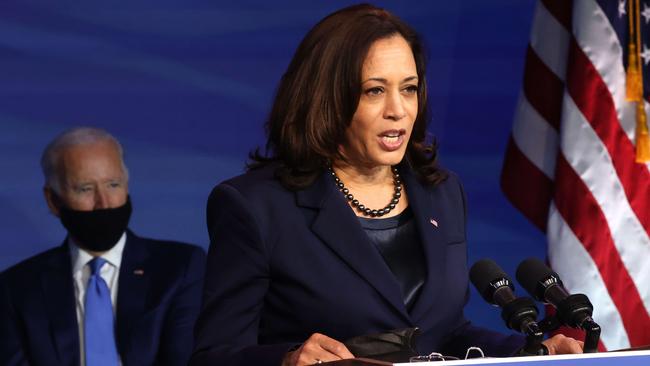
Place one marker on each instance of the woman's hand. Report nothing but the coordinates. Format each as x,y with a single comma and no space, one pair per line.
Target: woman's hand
560,344
317,349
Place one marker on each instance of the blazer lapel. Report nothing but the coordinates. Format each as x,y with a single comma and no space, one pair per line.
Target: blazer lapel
338,227
425,209
132,291
59,296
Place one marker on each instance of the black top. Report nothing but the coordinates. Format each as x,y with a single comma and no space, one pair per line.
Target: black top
398,241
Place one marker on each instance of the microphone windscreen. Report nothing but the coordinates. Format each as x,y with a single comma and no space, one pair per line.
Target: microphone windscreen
483,274
531,274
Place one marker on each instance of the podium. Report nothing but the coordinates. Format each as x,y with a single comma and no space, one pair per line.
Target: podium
627,358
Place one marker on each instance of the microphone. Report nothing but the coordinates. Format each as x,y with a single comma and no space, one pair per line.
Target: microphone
519,313
572,310
545,285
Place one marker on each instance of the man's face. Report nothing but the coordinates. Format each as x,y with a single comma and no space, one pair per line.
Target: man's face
91,177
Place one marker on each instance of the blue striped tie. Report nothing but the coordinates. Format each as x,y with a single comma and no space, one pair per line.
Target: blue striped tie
98,323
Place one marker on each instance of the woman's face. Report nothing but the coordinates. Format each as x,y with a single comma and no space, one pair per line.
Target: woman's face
382,124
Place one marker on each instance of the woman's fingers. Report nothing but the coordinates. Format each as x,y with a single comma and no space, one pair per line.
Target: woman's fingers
317,349
333,346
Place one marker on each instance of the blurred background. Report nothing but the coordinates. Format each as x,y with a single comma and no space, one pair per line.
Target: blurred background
186,86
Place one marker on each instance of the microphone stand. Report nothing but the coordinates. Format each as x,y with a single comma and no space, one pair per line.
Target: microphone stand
534,338
591,328
592,335
520,314
575,311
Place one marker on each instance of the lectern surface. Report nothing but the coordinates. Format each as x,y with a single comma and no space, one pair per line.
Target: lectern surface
630,358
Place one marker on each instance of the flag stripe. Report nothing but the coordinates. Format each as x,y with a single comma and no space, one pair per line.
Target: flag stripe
581,275
594,101
535,138
573,200
530,155
543,89
596,37
561,10
533,201
588,157
550,41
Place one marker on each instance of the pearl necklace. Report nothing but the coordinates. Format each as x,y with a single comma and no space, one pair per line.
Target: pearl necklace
362,208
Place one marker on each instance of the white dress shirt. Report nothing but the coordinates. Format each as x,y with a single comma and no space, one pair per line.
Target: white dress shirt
110,272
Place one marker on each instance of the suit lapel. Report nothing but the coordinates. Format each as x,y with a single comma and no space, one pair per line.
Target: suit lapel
425,208
59,296
132,291
338,227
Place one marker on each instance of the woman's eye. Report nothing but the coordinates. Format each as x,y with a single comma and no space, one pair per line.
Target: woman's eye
411,89
374,91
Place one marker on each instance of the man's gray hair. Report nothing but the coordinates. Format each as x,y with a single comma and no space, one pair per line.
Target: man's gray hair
50,159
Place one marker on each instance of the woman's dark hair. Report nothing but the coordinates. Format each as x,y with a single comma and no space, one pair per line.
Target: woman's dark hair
319,94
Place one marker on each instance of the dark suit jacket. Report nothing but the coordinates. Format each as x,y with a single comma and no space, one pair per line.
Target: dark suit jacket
283,265
156,307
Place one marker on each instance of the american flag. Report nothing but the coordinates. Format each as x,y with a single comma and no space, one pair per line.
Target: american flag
570,164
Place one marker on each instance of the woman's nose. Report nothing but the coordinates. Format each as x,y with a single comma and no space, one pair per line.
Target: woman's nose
394,108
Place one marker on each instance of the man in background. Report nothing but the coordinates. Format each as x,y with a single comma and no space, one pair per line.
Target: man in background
106,296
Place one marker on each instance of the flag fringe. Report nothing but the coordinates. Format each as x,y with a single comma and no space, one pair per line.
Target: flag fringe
642,135
634,83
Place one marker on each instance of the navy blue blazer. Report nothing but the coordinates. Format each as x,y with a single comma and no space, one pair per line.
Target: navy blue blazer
283,265
159,294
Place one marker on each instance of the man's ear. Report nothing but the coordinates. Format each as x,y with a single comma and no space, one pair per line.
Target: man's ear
53,201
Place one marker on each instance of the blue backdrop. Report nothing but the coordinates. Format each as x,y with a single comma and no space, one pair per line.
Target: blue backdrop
186,86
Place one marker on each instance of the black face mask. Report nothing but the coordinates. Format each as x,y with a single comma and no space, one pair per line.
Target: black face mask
97,230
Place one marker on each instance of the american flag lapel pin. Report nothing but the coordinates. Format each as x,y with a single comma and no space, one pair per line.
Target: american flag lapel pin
138,272
433,222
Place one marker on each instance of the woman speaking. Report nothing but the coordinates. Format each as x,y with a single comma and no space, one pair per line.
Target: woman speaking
345,225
